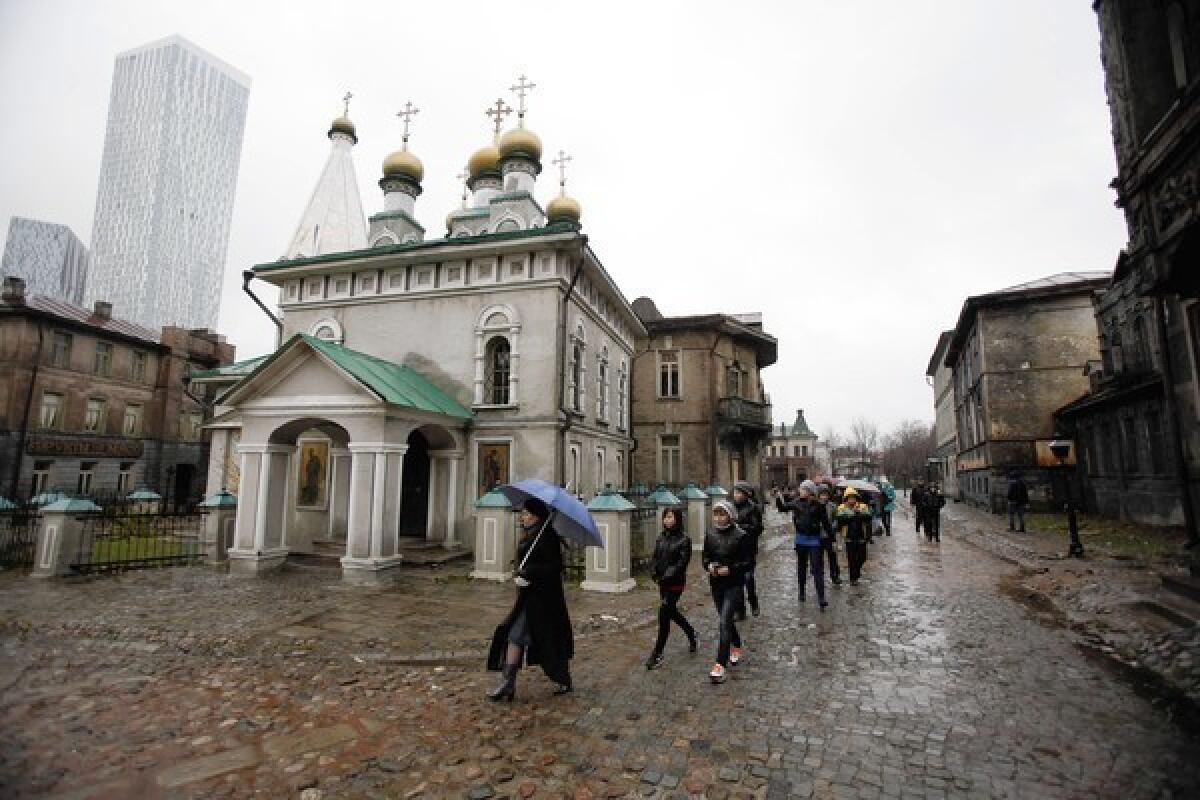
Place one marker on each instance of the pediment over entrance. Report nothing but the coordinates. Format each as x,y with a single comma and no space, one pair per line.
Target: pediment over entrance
308,378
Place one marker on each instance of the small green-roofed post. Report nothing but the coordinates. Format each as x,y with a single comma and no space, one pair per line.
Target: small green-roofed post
697,514
495,537
219,524
610,568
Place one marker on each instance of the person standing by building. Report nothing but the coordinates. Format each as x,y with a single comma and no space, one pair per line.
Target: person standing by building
537,630
914,500
829,539
854,521
931,507
725,558
749,519
811,523
672,553
1018,500
889,505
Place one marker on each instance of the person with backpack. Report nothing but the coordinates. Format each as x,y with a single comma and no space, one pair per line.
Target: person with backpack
668,569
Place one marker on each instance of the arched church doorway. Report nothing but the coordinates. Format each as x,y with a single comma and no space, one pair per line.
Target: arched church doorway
414,490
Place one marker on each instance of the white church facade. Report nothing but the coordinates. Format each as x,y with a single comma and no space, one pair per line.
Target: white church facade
415,373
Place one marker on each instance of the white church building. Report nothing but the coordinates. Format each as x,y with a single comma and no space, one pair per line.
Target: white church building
415,373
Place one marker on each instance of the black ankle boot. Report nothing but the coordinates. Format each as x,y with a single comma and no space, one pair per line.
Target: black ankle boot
508,689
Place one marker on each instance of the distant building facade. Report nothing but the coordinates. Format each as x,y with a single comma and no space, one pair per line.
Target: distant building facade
167,180
790,456
49,257
700,413
1016,356
1138,428
95,405
945,427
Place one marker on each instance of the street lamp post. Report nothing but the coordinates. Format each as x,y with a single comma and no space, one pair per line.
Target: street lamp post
1061,448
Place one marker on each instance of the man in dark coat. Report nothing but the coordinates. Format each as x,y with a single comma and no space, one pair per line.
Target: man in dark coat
914,499
538,628
749,519
931,512
1018,499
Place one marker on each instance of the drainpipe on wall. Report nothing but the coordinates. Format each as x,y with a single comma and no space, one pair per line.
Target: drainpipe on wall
1181,467
247,276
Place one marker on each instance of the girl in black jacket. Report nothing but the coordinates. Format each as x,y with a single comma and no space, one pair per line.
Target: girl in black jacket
725,558
672,552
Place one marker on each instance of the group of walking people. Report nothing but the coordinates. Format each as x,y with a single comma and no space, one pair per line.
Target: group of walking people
537,630
927,501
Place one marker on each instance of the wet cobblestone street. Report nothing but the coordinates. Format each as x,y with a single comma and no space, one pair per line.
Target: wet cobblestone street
925,682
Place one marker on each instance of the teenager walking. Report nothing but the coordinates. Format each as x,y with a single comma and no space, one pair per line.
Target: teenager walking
725,558
748,517
811,523
854,520
672,553
829,540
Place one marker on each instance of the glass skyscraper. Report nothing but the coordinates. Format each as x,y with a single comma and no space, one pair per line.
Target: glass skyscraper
167,180
49,257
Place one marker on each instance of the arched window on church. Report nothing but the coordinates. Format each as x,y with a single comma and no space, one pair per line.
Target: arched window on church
498,371
622,397
577,377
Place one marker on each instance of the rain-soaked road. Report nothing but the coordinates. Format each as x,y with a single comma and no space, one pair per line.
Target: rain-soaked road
925,681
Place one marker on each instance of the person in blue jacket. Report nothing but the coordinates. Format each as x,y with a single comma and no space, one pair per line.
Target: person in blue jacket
811,521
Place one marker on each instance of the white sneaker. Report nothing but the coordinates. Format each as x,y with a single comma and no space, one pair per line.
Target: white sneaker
735,655
717,674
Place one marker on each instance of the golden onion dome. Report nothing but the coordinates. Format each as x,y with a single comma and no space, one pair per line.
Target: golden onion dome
485,159
343,125
522,141
403,164
564,208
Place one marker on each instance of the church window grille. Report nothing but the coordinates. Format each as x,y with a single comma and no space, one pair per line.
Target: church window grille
1154,440
516,268
484,270
325,333
51,417
103,362
367,283
454,274
1131,445
670,459
396,280
93,419
341,286
498,371
425,277
577,377
293,290
60,352
314,287
668,374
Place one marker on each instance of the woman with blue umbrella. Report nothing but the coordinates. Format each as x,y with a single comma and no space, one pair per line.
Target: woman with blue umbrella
537,631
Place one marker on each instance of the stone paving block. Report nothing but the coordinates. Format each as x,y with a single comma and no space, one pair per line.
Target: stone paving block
317,739
204,767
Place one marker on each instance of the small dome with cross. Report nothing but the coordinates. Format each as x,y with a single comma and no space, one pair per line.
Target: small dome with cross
520,142
403,164
485,159
564,209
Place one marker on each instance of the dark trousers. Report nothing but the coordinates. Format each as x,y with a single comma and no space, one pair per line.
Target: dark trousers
726,597
835,572
751,589
1016,511
668,612
933,526
918,516
810,558
856,554
886,516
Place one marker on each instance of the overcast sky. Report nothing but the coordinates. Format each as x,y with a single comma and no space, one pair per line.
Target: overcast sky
853,170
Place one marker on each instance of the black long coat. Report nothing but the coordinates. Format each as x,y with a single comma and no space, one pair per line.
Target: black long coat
551,644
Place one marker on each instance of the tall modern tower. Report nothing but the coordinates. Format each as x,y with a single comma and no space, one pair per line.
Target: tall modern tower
48,256
167,180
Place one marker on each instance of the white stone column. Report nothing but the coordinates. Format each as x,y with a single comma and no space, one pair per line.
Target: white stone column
371,554
258,549
431,506
452,501
339,491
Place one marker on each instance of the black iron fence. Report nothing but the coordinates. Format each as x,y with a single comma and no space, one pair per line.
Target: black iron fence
136,536
18,536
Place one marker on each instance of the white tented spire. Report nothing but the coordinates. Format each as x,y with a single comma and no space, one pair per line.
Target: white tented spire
333,221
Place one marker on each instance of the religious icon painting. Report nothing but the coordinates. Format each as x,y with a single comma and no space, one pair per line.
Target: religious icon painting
493,465
312,479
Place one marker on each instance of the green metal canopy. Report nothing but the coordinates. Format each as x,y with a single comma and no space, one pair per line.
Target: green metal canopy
397,384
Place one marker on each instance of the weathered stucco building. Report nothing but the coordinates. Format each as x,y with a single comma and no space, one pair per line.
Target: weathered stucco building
700,413
1138,429
945,427
1017,355
417,373
790,453
98,406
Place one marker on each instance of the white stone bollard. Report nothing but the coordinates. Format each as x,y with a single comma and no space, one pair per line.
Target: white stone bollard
495,538
60,537
219,525
609,569
697,514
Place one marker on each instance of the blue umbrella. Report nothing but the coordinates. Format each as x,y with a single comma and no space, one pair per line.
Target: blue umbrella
572,520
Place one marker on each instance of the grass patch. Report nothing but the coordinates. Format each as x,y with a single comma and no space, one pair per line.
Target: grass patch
112,549
1114,538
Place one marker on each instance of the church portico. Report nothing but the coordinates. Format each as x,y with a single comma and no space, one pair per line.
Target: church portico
340,448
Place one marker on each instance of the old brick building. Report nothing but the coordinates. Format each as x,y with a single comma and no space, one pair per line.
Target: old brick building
699,411
944,468
94,405
1017,355
1139,427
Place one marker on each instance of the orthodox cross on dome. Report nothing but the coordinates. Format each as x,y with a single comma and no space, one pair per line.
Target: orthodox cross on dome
521,88
561,162
462,177
346,103
407,114
498,112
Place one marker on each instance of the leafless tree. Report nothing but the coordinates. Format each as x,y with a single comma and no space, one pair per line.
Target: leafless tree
906,448
864,435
